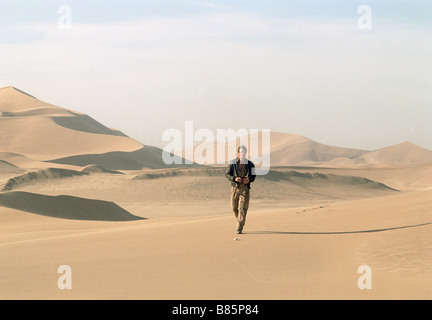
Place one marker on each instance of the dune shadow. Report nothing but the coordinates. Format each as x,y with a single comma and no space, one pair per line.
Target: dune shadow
66,207
146,157
86,124
339,232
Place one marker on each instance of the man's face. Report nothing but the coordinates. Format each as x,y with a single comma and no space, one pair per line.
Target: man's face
242,154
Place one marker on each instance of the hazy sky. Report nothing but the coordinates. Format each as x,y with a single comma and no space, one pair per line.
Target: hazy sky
322,69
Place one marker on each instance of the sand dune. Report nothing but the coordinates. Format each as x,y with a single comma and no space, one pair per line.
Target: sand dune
341,162
197,192
400,178
146,157
7,167
83,123
50,173
94,168
40,138
414,178
24,162
26,120
43,132
296,150
405,155
46,133
285,150
196,172
273,175
65,207
14,100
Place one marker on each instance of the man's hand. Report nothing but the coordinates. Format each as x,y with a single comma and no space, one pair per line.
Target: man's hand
246,180
238,179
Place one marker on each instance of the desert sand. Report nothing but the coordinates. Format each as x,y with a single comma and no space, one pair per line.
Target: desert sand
74,192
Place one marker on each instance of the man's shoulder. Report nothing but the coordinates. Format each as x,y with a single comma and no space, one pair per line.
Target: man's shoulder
233,161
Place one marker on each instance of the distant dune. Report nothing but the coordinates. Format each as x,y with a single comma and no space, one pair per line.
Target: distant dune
8,167
288,149
65,207
40,132
296,150
405,154
341,162
285,150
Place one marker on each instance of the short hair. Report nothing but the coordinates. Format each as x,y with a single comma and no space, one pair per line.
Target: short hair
242,147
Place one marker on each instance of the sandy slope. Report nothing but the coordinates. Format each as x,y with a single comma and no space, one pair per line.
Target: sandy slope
283,255
65,207
305,241
32,131
57,131
400,178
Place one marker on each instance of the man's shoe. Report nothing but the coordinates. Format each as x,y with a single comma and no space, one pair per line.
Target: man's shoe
239,232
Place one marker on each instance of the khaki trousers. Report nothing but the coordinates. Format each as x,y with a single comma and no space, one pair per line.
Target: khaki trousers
240,205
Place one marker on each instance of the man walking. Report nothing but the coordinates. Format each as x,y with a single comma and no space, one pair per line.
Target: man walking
241,173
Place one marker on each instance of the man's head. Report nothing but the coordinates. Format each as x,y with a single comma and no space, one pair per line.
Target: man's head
241,153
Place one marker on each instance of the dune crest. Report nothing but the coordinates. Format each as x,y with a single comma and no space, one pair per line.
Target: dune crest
94,168
182,172
52,173
45,174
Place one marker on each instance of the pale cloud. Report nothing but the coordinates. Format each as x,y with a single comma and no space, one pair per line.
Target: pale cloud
311,77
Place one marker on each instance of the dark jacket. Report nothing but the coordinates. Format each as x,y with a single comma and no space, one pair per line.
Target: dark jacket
233,169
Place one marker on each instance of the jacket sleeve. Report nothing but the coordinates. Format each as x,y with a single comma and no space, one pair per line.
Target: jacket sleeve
252,174
229,173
